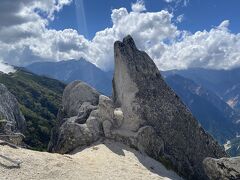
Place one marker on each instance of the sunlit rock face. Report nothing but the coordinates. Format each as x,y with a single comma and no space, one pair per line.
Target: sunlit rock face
146,100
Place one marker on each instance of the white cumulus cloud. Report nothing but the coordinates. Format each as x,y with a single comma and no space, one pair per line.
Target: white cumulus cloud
25,38
216,49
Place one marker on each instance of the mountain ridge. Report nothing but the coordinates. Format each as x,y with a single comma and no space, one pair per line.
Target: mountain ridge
71,70
225,83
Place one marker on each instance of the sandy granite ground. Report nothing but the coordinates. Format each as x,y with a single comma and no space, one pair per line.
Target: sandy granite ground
103,161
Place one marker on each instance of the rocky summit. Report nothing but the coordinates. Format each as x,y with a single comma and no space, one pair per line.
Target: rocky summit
144,113
147,101
12,122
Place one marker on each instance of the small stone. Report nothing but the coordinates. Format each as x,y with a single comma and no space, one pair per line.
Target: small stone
118,117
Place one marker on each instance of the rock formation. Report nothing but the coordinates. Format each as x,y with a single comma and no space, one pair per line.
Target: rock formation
77,125
75,94
12,122
146,100
144,113
224,168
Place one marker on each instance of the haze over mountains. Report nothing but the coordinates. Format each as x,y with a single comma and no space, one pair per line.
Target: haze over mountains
225,83
68,71
216,116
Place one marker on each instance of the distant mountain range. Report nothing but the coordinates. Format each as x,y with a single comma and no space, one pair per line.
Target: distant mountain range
68,71
213,113
211,95
222,90
225,83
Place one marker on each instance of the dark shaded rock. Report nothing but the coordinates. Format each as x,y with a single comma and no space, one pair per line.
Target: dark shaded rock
145,99
224,168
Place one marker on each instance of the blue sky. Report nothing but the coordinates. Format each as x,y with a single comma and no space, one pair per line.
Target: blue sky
177,34
198,14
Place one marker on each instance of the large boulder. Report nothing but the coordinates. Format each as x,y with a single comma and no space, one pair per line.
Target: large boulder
75,94
11,118
72,135
77,124
12,122
146,100
224,168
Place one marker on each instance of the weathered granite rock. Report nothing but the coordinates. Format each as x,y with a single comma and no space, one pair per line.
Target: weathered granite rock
84,112
11,118
224,168
72,135
107,128
149,142
77,124
105,108
75,94
146,100
95,126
